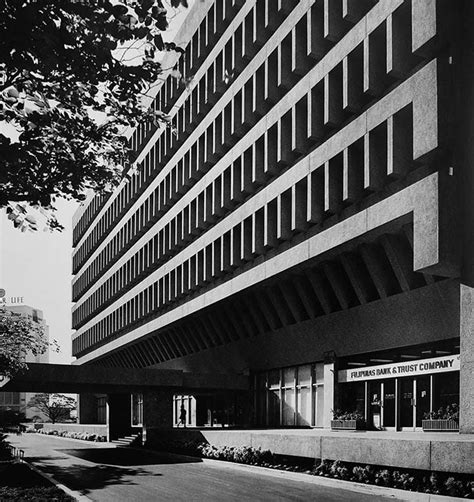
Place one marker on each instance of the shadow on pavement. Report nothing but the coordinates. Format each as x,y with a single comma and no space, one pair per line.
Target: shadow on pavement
125,456
86,478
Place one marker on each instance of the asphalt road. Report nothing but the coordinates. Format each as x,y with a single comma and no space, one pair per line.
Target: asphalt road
108,474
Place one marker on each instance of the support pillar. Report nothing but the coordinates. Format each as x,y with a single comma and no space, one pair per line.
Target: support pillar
87,409
157,412
464,78
329,374
466,389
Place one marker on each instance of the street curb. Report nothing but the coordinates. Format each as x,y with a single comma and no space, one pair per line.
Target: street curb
72,493
383,491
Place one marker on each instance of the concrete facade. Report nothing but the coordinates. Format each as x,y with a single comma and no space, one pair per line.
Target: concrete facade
301,216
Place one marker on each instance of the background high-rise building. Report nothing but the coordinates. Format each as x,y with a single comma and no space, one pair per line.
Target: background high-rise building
18,401
300,219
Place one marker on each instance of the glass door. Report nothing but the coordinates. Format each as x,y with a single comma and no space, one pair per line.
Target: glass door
407,403
375,404
388,404
422,398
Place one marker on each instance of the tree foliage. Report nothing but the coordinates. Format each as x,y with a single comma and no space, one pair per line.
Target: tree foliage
55,406
72,77
11,417
20,337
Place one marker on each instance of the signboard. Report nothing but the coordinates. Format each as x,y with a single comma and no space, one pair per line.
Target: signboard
4,380
401,369
13,300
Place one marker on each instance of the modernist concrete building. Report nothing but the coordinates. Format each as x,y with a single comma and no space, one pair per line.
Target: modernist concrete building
306,221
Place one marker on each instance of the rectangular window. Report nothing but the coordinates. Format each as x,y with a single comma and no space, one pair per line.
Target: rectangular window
102,410
137,410
290,396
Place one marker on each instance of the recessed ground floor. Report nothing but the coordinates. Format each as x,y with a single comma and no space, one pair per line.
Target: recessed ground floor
391,390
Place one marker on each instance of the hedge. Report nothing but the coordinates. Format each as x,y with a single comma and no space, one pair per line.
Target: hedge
85,436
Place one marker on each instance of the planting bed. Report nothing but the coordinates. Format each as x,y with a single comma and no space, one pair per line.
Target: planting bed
19,482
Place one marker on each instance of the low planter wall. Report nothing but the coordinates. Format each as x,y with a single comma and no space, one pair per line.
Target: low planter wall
98,429
439,425
347,425
410,451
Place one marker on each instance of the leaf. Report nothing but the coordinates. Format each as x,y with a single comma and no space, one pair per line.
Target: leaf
158,39
119,10
66,56
141,32
161,22
146,4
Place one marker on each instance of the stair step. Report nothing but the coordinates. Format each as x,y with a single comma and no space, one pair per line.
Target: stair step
126,440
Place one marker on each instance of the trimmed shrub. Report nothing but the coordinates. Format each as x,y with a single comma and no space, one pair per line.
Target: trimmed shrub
239,454
85,436
454,487
383,477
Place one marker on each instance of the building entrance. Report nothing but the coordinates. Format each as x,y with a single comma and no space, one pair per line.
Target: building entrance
398,403
414,401
401,403
382,404
400,395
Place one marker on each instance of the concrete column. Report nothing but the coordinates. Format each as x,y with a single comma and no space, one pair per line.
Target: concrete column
329,388
157,411
466,391
465,152
87,409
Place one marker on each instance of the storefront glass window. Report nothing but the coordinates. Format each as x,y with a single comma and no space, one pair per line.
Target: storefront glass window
353,397
289,377
291,396
101,410
446,386
273,378
304,406
304,375
319,401
273,407
318,373
288,407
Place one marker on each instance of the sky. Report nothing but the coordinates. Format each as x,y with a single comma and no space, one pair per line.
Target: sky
36,267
